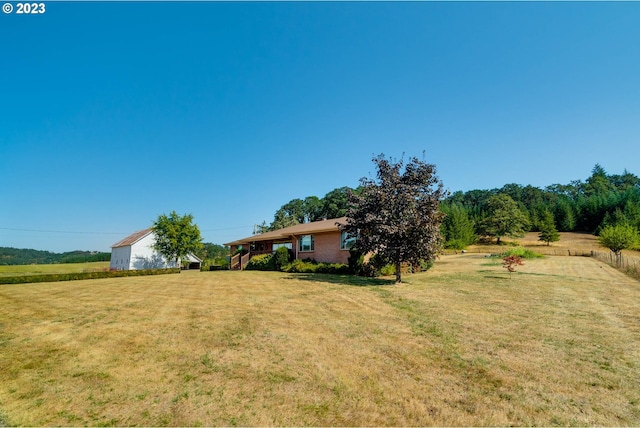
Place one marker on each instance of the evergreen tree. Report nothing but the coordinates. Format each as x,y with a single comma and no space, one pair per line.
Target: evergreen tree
632,213
548,231
599,182
625,181
565,216
282,219
614,218
458,228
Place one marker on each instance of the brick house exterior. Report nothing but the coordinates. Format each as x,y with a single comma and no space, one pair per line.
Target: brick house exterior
319,240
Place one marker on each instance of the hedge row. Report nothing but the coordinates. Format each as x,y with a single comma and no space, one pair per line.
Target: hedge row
269,262
372,268
55,277
301,266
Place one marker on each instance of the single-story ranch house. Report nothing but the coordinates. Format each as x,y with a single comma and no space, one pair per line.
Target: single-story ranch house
319,240
135,252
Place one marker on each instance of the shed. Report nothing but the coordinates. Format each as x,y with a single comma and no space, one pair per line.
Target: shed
136,252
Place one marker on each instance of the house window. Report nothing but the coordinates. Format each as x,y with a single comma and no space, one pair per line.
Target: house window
281,244
306,243
346,241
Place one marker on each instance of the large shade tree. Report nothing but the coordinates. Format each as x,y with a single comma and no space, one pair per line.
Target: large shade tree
176,236
504,218
396,215
335,203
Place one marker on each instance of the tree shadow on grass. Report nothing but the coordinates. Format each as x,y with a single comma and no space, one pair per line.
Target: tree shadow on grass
494,276
352,280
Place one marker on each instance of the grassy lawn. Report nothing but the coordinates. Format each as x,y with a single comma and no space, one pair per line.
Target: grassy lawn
17,270
558,344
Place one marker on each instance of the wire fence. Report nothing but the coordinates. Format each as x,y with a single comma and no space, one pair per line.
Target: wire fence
627,264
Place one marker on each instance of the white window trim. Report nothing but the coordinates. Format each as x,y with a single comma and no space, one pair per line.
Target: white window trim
312,246
342,247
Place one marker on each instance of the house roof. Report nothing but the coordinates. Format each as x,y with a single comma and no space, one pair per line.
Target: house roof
320,226
192,258
132,239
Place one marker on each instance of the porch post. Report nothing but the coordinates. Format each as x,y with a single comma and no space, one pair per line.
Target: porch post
294,243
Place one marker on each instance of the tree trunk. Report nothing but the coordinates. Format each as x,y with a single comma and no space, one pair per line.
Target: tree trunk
498,241
398,273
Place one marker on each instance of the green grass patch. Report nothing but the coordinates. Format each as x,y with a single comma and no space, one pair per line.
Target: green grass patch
522,252
3,420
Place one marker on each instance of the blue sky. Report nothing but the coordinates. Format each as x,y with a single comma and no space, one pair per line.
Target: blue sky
112,113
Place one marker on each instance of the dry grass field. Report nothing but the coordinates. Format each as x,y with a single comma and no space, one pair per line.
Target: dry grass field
462,344
18,270
570,243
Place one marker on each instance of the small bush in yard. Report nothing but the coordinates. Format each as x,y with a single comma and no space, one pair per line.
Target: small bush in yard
355,261
282,257
261,262
388,270
425,265
510,263
333,268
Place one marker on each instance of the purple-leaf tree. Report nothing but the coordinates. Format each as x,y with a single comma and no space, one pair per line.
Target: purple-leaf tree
396,215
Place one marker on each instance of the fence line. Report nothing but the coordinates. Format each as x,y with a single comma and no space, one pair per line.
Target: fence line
539,250
629,265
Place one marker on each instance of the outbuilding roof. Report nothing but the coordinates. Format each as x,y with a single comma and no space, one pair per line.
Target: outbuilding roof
132,239
330,225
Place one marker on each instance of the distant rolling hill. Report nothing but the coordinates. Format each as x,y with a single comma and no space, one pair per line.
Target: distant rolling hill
17,256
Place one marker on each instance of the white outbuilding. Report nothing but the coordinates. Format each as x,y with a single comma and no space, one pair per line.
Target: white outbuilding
135,252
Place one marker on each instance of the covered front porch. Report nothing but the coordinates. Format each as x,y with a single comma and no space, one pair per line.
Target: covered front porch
242,253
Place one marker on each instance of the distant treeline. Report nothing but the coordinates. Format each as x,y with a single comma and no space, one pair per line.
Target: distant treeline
601,200
588,206
16,256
